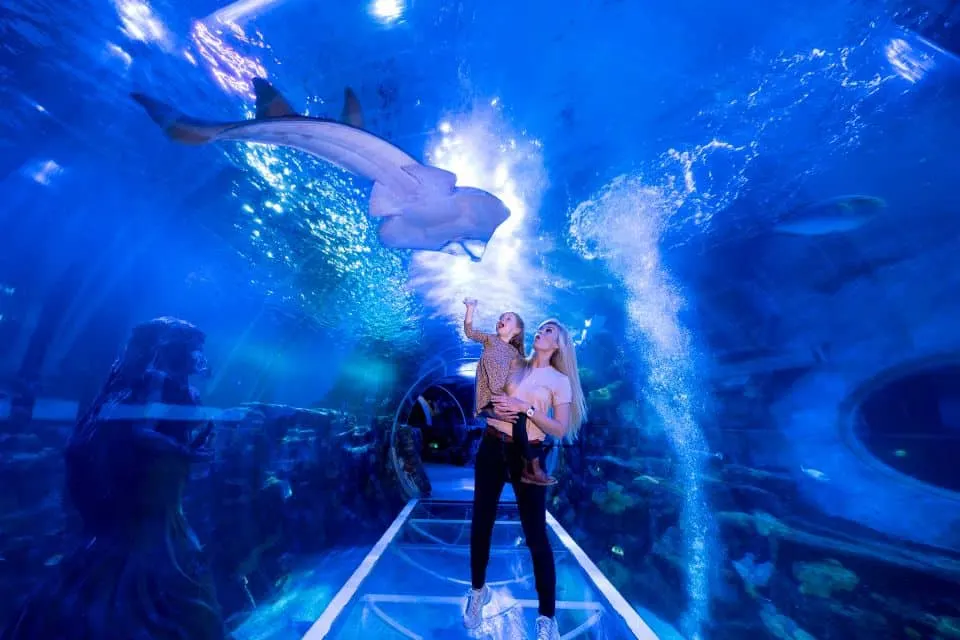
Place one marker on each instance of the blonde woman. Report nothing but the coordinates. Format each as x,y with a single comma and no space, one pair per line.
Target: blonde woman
548,393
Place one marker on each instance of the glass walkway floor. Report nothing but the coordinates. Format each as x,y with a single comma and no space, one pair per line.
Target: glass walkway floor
412,584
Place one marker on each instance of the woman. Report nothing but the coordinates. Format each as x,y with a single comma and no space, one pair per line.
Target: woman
549,394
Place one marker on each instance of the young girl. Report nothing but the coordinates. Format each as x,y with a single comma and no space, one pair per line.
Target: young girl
500,364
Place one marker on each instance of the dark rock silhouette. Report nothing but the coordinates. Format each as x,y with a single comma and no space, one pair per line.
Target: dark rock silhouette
139,571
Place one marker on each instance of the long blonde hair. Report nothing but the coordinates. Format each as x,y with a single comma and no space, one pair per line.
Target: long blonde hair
564,360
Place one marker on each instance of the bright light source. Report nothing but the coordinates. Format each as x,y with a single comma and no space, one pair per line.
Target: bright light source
481,149
387,10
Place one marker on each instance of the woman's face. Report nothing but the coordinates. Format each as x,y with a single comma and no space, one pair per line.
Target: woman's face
547,337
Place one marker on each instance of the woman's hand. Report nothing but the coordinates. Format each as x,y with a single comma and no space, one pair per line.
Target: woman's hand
509,407
470,302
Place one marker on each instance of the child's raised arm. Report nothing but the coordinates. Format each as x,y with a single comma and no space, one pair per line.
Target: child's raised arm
473,334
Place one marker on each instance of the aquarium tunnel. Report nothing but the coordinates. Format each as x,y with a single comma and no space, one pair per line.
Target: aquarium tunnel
422,319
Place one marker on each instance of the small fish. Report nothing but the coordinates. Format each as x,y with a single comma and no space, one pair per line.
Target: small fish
422,207
831,216
815,473
54,560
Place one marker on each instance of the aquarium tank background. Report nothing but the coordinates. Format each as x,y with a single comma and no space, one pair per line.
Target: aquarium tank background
746,214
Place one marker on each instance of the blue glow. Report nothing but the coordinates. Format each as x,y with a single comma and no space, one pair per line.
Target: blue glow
745,214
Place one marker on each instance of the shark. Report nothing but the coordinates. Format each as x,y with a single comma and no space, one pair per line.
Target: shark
836,215
420,206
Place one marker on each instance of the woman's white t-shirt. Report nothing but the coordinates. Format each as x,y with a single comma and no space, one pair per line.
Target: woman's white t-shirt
542,388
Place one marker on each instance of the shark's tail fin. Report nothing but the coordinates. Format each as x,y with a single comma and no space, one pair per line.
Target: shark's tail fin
178,126
163,114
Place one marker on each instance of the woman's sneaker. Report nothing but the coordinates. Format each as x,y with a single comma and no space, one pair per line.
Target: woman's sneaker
547,629
473,609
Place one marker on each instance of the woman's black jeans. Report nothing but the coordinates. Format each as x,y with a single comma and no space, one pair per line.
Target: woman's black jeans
498,462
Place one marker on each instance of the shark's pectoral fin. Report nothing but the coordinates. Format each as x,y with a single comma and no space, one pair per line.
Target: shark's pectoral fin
270,103
432,177
177,126
472,249
383,202
352,114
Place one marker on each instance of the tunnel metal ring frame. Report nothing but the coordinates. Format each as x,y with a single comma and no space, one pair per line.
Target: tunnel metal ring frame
434,369
848,415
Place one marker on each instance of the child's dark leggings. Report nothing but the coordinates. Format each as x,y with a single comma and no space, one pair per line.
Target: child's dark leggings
520,438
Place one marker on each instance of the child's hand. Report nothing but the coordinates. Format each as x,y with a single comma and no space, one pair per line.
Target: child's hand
470,302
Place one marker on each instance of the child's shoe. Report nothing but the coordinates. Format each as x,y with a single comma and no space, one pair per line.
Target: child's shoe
533,474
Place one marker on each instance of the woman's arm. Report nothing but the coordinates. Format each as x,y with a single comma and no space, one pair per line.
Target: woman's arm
473,334
555,426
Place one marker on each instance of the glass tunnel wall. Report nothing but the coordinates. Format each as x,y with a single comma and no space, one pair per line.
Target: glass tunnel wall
746,218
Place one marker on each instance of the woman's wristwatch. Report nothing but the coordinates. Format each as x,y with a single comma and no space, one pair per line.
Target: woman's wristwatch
532,410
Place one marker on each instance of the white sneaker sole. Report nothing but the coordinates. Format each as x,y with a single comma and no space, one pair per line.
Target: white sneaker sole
486,601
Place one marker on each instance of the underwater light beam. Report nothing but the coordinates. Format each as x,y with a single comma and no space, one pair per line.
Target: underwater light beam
479,148
232,71
140,23
910,63
237,12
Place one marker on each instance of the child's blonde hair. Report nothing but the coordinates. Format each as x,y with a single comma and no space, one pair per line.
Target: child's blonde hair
517,341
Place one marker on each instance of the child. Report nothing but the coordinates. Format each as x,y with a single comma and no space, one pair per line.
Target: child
501,359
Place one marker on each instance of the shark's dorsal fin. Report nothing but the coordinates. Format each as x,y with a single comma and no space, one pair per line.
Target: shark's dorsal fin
352,113
270,104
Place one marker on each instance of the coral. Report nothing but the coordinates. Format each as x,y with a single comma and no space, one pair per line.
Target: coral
613,500
948,627
871,549
780,626
616,572
823,578
604,395
753,574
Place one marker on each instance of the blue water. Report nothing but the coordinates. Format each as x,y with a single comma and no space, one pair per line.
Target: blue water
652,156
